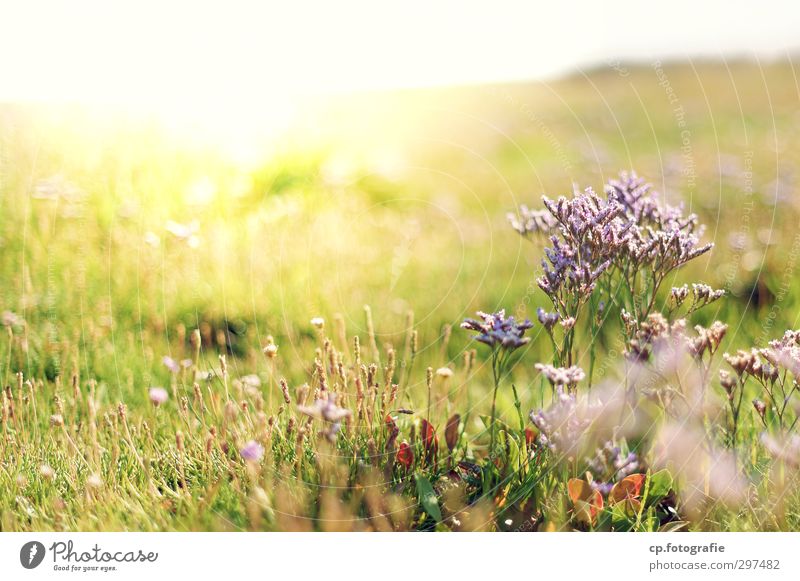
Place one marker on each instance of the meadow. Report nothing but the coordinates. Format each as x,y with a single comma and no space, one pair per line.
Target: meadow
273,337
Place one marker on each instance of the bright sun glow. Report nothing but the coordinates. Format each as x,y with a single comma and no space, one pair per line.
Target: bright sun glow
245,68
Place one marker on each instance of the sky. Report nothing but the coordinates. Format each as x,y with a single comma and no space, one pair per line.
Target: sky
209,57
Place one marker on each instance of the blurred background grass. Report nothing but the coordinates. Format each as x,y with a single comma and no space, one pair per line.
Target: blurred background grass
117,230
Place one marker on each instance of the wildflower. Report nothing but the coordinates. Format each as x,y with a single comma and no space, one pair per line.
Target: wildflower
548,320
560,426
704,295
328,411
497,330
568,323
158,396
678,295
728,382
325,409
532,221
760,407
741,362
444,372
785,352
270,349
755,363
47,472
589,237
252,451
561,376
707,339
652,334
10,319
610,465
171,364
635,197
785,448
318,322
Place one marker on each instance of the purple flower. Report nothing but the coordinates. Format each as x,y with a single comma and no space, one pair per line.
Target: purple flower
252,451
532,221
497,330
591,234
561,376
158,396
328,411
171,364
634,195
325,409
610,465
548,320
562,425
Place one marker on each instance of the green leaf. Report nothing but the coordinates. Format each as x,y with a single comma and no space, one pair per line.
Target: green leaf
427,498
501,425
514,456
621,518
673,526
659,486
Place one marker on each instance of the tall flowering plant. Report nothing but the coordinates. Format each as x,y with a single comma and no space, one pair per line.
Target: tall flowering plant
503,335
624,244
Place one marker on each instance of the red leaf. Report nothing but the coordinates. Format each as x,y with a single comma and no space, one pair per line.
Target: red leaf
405,455
530,437
429,441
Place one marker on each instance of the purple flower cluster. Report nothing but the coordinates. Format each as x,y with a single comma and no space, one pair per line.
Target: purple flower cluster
628,231
562,376
785,352
530,222
662,236
635,196
561,425
497,330
610,465
589,237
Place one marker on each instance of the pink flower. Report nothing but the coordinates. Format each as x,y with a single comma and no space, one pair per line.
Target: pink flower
158,395
252,451
171,364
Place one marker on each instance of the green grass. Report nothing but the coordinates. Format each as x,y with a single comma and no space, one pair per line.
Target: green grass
397,201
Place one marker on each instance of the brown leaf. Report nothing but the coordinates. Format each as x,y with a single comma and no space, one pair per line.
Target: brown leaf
629,488
451,432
